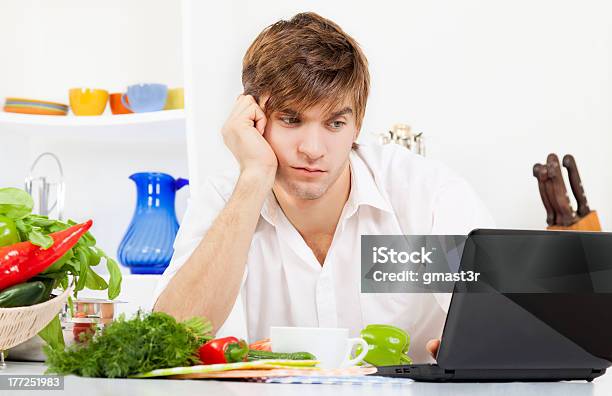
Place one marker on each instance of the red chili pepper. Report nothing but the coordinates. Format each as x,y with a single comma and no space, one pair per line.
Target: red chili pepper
224,350
23,260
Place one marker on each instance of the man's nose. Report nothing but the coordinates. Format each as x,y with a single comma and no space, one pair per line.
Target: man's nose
312,144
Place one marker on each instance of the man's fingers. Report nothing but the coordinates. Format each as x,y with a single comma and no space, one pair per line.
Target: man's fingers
432,347
254,113
259,118
260,124
242,103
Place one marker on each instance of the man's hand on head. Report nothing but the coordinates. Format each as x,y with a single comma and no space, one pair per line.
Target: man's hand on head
243,133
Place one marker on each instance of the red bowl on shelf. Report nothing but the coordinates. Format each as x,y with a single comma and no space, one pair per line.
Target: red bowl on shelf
116,106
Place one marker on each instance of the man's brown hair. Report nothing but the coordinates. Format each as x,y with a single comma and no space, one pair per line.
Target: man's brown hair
306,61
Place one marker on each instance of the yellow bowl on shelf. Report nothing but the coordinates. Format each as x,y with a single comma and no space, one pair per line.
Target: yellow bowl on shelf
175,99
88,102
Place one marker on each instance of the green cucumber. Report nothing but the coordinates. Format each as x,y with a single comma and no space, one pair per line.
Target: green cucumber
49,285
22,295
259,355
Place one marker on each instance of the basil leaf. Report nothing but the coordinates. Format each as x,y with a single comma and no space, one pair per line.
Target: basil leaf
23,229
40,239
57,266
64,283
52,334
114,281
56,227
82,280
83,256
40,221
94,256
15,203
73,266
88,239
95,281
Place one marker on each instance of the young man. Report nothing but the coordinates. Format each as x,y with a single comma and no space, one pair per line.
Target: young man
280,245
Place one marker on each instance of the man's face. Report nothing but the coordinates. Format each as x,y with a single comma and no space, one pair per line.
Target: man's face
312,148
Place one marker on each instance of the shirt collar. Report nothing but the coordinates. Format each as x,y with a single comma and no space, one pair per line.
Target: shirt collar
270,208
364,191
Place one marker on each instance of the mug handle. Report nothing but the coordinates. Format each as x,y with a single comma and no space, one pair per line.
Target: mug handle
352,342
125,104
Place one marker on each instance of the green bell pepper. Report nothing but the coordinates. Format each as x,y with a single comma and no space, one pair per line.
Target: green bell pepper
387,345
8,232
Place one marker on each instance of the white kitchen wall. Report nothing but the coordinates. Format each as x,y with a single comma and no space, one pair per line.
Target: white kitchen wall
495,86
49,47
56,45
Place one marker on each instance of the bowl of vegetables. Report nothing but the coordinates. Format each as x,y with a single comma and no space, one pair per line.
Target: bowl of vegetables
37,256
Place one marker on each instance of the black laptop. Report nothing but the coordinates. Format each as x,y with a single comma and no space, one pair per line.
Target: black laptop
541,310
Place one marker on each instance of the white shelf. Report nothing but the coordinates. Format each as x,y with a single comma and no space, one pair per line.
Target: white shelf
166,126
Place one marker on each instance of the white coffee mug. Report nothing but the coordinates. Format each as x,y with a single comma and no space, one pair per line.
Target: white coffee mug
332,346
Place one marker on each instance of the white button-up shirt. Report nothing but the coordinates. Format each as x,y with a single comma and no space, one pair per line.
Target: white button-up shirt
393,192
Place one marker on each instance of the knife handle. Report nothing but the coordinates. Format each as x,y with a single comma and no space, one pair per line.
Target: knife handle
565,214
550,192
570,164
540,173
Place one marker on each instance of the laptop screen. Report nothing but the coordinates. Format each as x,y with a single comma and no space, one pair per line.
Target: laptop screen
543,300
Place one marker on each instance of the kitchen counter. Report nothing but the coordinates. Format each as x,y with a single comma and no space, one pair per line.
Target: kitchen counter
99,386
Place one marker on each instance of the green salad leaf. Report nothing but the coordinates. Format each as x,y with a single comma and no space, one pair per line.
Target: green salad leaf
114,285
52,334
15,203
38,238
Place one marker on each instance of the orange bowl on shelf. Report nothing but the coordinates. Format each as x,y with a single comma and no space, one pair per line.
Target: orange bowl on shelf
88,102
32,106
116,106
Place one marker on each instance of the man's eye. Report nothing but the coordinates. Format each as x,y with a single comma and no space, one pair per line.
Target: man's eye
290,120
337,124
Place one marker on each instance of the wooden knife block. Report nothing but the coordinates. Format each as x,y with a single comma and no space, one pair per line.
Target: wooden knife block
590,222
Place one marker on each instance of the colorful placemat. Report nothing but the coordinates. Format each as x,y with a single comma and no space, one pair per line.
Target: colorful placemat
217,368
263,375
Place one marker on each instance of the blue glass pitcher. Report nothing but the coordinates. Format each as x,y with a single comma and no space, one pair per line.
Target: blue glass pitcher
147,246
